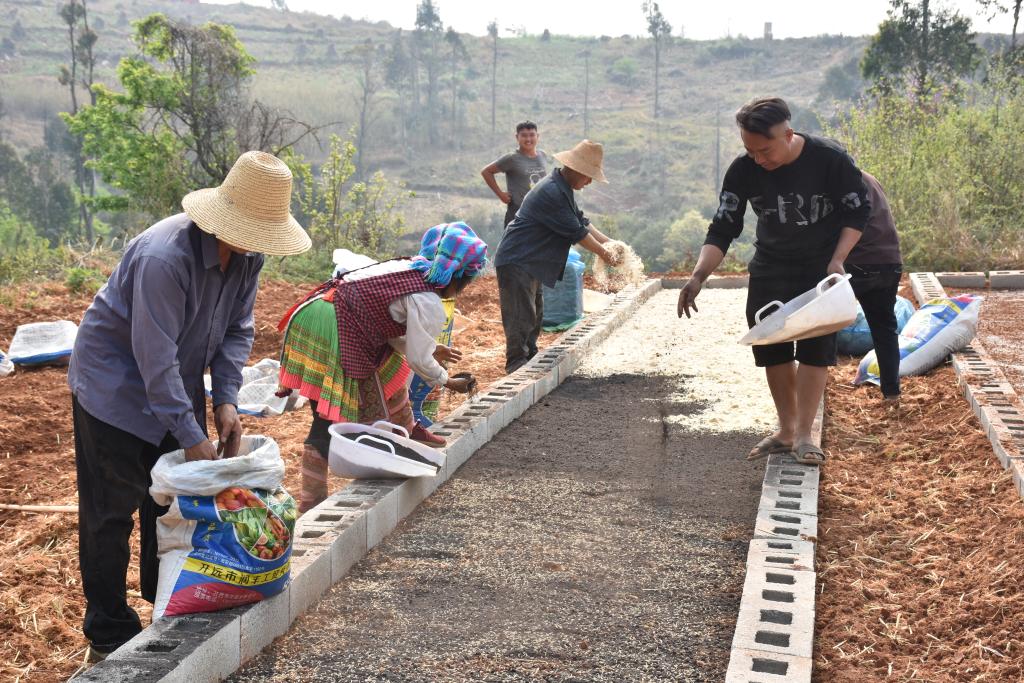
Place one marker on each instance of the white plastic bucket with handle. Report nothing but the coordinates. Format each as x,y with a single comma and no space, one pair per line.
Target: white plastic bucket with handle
359,451
827,308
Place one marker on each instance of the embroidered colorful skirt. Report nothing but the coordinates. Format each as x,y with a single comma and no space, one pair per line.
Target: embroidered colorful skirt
310,364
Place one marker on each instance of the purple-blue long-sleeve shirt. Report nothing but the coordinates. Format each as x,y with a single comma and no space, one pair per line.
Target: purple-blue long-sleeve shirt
166,314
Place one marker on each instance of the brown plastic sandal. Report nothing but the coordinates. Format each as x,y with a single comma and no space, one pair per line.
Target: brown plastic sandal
809,454
769,446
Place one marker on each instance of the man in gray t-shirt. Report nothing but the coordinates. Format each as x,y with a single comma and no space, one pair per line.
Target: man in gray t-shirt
522,169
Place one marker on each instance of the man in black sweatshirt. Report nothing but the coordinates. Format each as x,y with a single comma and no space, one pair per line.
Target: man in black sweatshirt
811,208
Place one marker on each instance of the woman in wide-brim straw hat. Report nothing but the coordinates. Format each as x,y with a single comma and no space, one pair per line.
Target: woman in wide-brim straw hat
180,301
352,344
536,244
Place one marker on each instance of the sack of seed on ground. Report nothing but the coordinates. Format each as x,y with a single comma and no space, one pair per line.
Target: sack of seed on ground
629,271
226,539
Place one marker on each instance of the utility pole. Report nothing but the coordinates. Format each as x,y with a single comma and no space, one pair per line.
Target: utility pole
586,94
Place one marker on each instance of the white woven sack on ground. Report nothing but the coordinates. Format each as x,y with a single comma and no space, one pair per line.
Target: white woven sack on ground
6,366
257,395
43,343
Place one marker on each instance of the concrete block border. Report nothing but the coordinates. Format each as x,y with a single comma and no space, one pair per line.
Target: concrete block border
774,636
332,537
993,399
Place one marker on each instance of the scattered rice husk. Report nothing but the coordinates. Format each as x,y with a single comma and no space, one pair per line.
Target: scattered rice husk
630,270
919,534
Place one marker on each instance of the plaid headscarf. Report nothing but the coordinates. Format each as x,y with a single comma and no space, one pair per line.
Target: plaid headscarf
450,250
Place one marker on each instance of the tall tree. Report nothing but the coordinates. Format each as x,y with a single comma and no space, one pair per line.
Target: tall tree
183,118
399,76
919,48
492,31
660,31
80,73
1002,7
368,57
429,33
457,53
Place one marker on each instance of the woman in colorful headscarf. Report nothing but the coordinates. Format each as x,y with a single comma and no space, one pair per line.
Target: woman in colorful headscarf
349,345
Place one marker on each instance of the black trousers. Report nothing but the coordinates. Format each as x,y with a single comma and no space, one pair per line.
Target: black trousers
113,482
522,309
510,213
875,288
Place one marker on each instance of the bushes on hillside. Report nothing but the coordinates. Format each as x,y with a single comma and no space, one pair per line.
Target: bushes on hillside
954,174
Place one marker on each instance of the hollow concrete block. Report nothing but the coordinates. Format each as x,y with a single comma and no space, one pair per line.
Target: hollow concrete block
1006,279
262,622
789,499
787,525
772,627
310,579
746,666
795,555
973,279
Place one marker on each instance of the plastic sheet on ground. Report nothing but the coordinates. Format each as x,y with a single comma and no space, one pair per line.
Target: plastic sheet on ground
48,343
257,395
6,366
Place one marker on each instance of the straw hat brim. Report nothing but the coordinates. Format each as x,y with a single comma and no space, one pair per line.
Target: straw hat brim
217,215
580,165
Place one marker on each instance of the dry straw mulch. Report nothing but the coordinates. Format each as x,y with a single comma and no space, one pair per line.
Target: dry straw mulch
921,535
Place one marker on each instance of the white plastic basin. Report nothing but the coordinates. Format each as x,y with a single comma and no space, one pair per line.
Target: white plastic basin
827,308
359,451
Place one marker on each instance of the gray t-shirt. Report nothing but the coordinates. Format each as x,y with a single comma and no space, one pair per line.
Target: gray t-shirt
522,172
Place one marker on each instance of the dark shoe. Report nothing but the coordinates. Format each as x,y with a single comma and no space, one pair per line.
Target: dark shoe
424,436
97,655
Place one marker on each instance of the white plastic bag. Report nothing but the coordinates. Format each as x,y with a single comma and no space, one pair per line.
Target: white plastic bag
43,343
345,260
226,538
258,393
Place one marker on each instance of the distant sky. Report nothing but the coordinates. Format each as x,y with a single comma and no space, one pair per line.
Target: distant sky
703,19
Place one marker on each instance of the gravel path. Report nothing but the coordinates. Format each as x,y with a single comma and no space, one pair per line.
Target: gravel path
601,537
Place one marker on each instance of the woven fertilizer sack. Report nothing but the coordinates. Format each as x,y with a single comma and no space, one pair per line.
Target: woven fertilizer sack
563,304
43,343
258,393
6,366
855,339
937,329
630,270
227,538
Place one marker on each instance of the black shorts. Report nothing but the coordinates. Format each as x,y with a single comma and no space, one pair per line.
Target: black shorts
783,282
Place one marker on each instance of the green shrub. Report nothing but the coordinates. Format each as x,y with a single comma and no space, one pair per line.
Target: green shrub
953,173
83,280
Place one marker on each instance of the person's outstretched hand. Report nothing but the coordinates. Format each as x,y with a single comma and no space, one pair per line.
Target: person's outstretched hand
462,384
229,429
447,354
688,297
